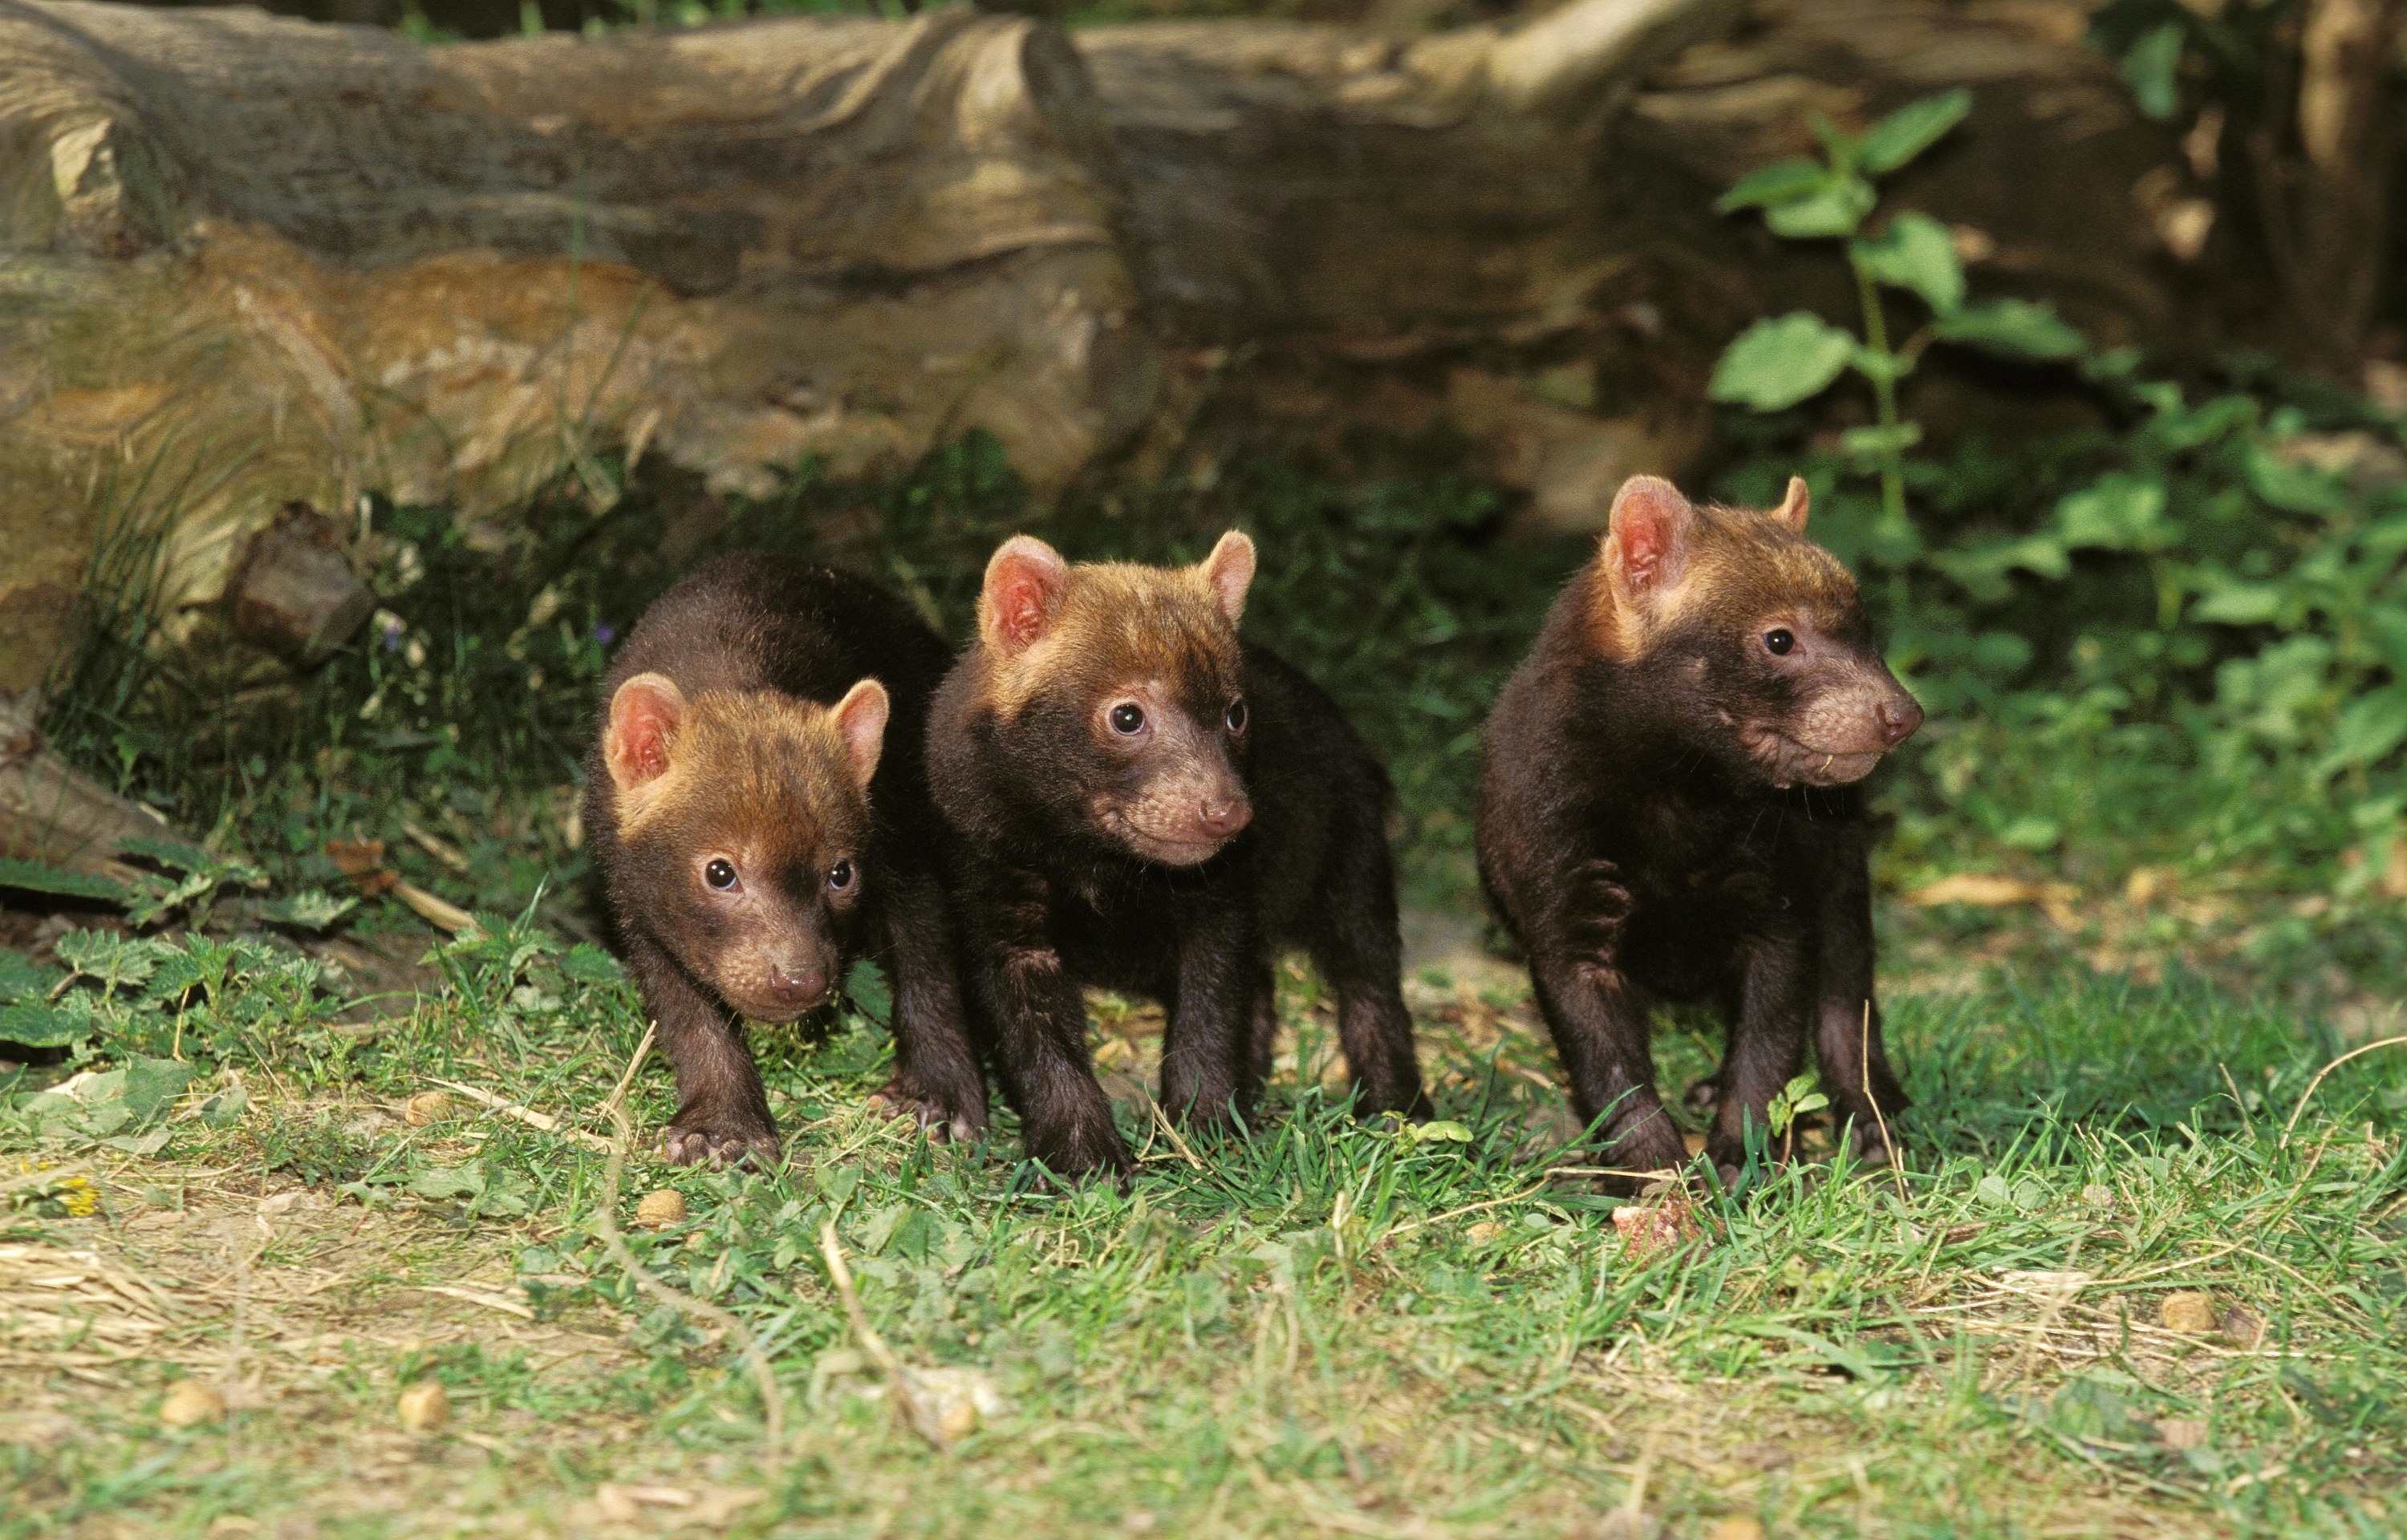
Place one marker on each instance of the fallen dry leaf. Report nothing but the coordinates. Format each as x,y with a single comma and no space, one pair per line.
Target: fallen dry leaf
440,913
1482,1232
624,1503
1736,1527
958,1400
2182,1432
1649,1227
1990,890
362,862
425,1108
2188,1312
665,1207
189,1403
425,1407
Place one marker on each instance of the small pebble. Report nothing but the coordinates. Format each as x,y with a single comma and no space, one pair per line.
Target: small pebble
1736,1527
2188,1312
1484,1232
665,1206
189,1403
425,1407
425,1108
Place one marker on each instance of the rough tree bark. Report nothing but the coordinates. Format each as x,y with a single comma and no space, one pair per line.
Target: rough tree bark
245,262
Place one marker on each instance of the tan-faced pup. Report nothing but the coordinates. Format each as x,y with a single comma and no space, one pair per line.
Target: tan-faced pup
758,807
1668,811
1146,803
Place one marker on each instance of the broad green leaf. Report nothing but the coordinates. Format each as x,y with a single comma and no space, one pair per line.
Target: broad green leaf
1777,363
448,1181
38,877
152,1084
2368,730
2014,328
1911,129
313,909
1781,182
225,1109
2118,512
588,964
1835,209
177,854
2240,604
1871,444
1443,1131
111,957
35,1023
2293,488
1916,253
1837,142
871,995
2000,654
2150,69
1983,569
23,978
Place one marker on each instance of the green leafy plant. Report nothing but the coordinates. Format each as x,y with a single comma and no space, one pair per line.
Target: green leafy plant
1782,362
1791,1102
2173,639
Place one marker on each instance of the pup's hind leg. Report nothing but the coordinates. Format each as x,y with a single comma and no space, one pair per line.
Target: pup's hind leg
1353,940
937,1076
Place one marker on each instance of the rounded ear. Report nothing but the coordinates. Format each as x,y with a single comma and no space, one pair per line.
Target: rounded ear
645,714
860,717
1229,570
1791,510
1025,580
1646,543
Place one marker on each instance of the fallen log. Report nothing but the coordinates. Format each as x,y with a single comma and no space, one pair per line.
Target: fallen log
247,262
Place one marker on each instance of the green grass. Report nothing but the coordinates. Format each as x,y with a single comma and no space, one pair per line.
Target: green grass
1314,1326
1321,1325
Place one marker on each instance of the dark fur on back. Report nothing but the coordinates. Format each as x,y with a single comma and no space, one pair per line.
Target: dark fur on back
760,646
1076,868
1668,812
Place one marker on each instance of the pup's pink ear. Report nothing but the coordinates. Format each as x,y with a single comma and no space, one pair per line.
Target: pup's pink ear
1025,580
860,717
645,714
1229,570
1646,543
1791,510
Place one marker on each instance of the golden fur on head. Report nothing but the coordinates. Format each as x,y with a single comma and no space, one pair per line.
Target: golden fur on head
1042,619
1664,559
761,768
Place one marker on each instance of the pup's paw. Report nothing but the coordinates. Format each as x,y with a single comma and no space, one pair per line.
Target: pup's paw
701,1134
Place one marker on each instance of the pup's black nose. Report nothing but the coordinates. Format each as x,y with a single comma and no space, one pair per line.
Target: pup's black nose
1897,716
805,985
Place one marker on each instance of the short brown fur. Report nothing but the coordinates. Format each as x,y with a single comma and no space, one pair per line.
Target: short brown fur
1668,812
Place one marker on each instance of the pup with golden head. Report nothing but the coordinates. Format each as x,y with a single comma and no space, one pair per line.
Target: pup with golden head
1669,811
1148,803
758,805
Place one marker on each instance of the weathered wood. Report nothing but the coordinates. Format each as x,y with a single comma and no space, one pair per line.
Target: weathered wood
246,260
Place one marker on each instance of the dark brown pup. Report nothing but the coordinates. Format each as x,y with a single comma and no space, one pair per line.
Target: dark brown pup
1668,811
1148,804
758,820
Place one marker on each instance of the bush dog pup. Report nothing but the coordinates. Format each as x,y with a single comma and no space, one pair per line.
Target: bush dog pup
1668,811
1148,804
758,804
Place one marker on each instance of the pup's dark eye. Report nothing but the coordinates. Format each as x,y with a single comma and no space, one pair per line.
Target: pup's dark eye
840,876
1779,642
719,874
1127,717
1237,717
